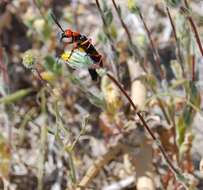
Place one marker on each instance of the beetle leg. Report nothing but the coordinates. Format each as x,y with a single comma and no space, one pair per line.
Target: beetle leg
100,63
94,66
89,42
75,46
93,74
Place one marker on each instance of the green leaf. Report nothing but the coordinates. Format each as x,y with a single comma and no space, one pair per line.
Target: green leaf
95,99
185,122
173,3
108,17
181,127
52,65
194,94
178,83
132,5
104,6
47,31
102,37
187,116
11,98
186,119
113,31
149,80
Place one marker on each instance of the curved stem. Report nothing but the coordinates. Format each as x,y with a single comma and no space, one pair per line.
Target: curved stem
155,139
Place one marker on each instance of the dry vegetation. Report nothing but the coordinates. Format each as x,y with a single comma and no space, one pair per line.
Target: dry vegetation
137,127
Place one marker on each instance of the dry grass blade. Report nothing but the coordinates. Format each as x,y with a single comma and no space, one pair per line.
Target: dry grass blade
99,164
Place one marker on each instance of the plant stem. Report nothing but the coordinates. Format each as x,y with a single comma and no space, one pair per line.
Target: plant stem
194,28
72,166
155,139
11,98
155,51
192,24
114,50
134,48
193,68
177,40
186,3
157,61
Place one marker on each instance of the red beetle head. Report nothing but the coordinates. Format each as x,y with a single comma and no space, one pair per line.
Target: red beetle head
68,33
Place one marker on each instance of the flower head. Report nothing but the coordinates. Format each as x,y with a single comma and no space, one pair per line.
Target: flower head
29,59
39,25
77,59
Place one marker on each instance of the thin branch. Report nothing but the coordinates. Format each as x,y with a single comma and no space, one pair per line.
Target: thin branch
193,68
101,13
115,52
155,51
181,64
161,105
194,28
172,24
157,61
105,24
100,163
122,22
177,40
155,139
192,24
133,46
186,4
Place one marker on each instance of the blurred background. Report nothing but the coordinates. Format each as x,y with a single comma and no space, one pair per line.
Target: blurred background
59,130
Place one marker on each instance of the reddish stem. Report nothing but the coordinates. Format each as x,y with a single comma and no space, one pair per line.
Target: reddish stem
176,38
194,28
155,139
193,67
155,51
192,24
135,49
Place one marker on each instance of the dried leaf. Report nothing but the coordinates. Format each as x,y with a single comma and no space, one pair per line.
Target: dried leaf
5,156
111,95
144,183
108,17
138,94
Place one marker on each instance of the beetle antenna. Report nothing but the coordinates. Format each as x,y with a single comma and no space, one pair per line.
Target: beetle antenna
56,21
